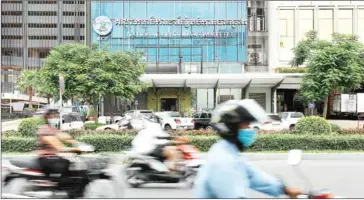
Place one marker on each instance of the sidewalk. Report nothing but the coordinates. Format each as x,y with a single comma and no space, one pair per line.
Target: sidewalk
10,125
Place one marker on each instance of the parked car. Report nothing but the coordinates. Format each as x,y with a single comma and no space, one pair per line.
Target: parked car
202,120
133,113
121,125
274,123
173,120
71,120
290,119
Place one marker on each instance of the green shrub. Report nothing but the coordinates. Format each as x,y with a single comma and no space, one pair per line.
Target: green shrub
291,70
28,127
11,133
92,126
352,131
313,125
266,142
335,128
81,132
18,144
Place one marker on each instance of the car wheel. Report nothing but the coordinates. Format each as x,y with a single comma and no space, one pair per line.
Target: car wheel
292,127
167,127
108,129
256,129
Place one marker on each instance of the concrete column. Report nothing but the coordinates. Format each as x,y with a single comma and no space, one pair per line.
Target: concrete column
59,21
273,35
275,101
215,97
25,35
88,23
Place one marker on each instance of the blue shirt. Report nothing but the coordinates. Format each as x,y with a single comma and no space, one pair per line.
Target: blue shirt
227,175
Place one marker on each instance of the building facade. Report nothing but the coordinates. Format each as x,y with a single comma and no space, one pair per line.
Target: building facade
292,19
29,30
185,42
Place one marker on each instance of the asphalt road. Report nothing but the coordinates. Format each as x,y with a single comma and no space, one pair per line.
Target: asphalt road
342,174
341,177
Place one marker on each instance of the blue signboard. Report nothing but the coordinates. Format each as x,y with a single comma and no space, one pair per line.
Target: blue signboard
197,31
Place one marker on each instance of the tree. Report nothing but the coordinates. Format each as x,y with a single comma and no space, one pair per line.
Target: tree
91,72
44,86
331,65
26,83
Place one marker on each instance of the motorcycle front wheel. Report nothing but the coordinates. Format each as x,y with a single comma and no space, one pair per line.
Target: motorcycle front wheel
131,177
102,189
16,186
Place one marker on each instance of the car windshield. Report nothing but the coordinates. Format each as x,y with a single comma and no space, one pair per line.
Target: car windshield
146,113
274,117
174,114
283,115
297,115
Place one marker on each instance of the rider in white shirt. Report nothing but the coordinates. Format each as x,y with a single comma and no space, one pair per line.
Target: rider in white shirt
154,141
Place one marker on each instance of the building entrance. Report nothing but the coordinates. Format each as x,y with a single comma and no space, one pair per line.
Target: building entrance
169,104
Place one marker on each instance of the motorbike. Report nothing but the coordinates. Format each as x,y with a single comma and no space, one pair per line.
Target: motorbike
144,169
25,177
294,159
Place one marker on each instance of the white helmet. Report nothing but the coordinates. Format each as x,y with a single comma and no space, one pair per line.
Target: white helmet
228,115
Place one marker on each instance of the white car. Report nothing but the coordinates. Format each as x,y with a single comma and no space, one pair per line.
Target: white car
274,123
174,120
121,125
135,113
71,120
290,119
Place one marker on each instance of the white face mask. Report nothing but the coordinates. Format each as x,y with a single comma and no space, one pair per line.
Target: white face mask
53,121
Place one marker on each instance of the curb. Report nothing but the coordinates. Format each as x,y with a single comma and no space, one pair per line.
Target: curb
254,156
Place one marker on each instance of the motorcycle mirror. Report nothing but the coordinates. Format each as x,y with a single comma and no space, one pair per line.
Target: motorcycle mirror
294,157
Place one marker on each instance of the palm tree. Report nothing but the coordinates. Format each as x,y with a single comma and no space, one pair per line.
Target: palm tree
26,82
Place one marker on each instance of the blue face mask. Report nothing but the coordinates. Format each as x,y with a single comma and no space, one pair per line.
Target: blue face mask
247,137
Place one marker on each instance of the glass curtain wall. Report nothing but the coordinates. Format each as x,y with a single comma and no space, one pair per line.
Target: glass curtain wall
30,29
188,48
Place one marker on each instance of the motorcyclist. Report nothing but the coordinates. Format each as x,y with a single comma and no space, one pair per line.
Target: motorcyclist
51,142
226,174
152,140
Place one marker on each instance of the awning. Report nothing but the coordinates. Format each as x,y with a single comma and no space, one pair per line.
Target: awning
221,81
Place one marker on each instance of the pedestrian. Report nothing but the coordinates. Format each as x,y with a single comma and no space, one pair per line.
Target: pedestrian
83,113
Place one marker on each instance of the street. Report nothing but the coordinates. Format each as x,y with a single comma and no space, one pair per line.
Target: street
341,177
340,173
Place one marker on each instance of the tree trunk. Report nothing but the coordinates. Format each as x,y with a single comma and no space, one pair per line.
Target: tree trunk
48,100
326,102
30,93
96,111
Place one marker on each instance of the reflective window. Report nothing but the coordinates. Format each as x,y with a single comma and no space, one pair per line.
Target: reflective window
345,21
286,26
182,43
306,22
326,23
360,23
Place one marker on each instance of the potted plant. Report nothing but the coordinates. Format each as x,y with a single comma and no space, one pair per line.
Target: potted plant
91,114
